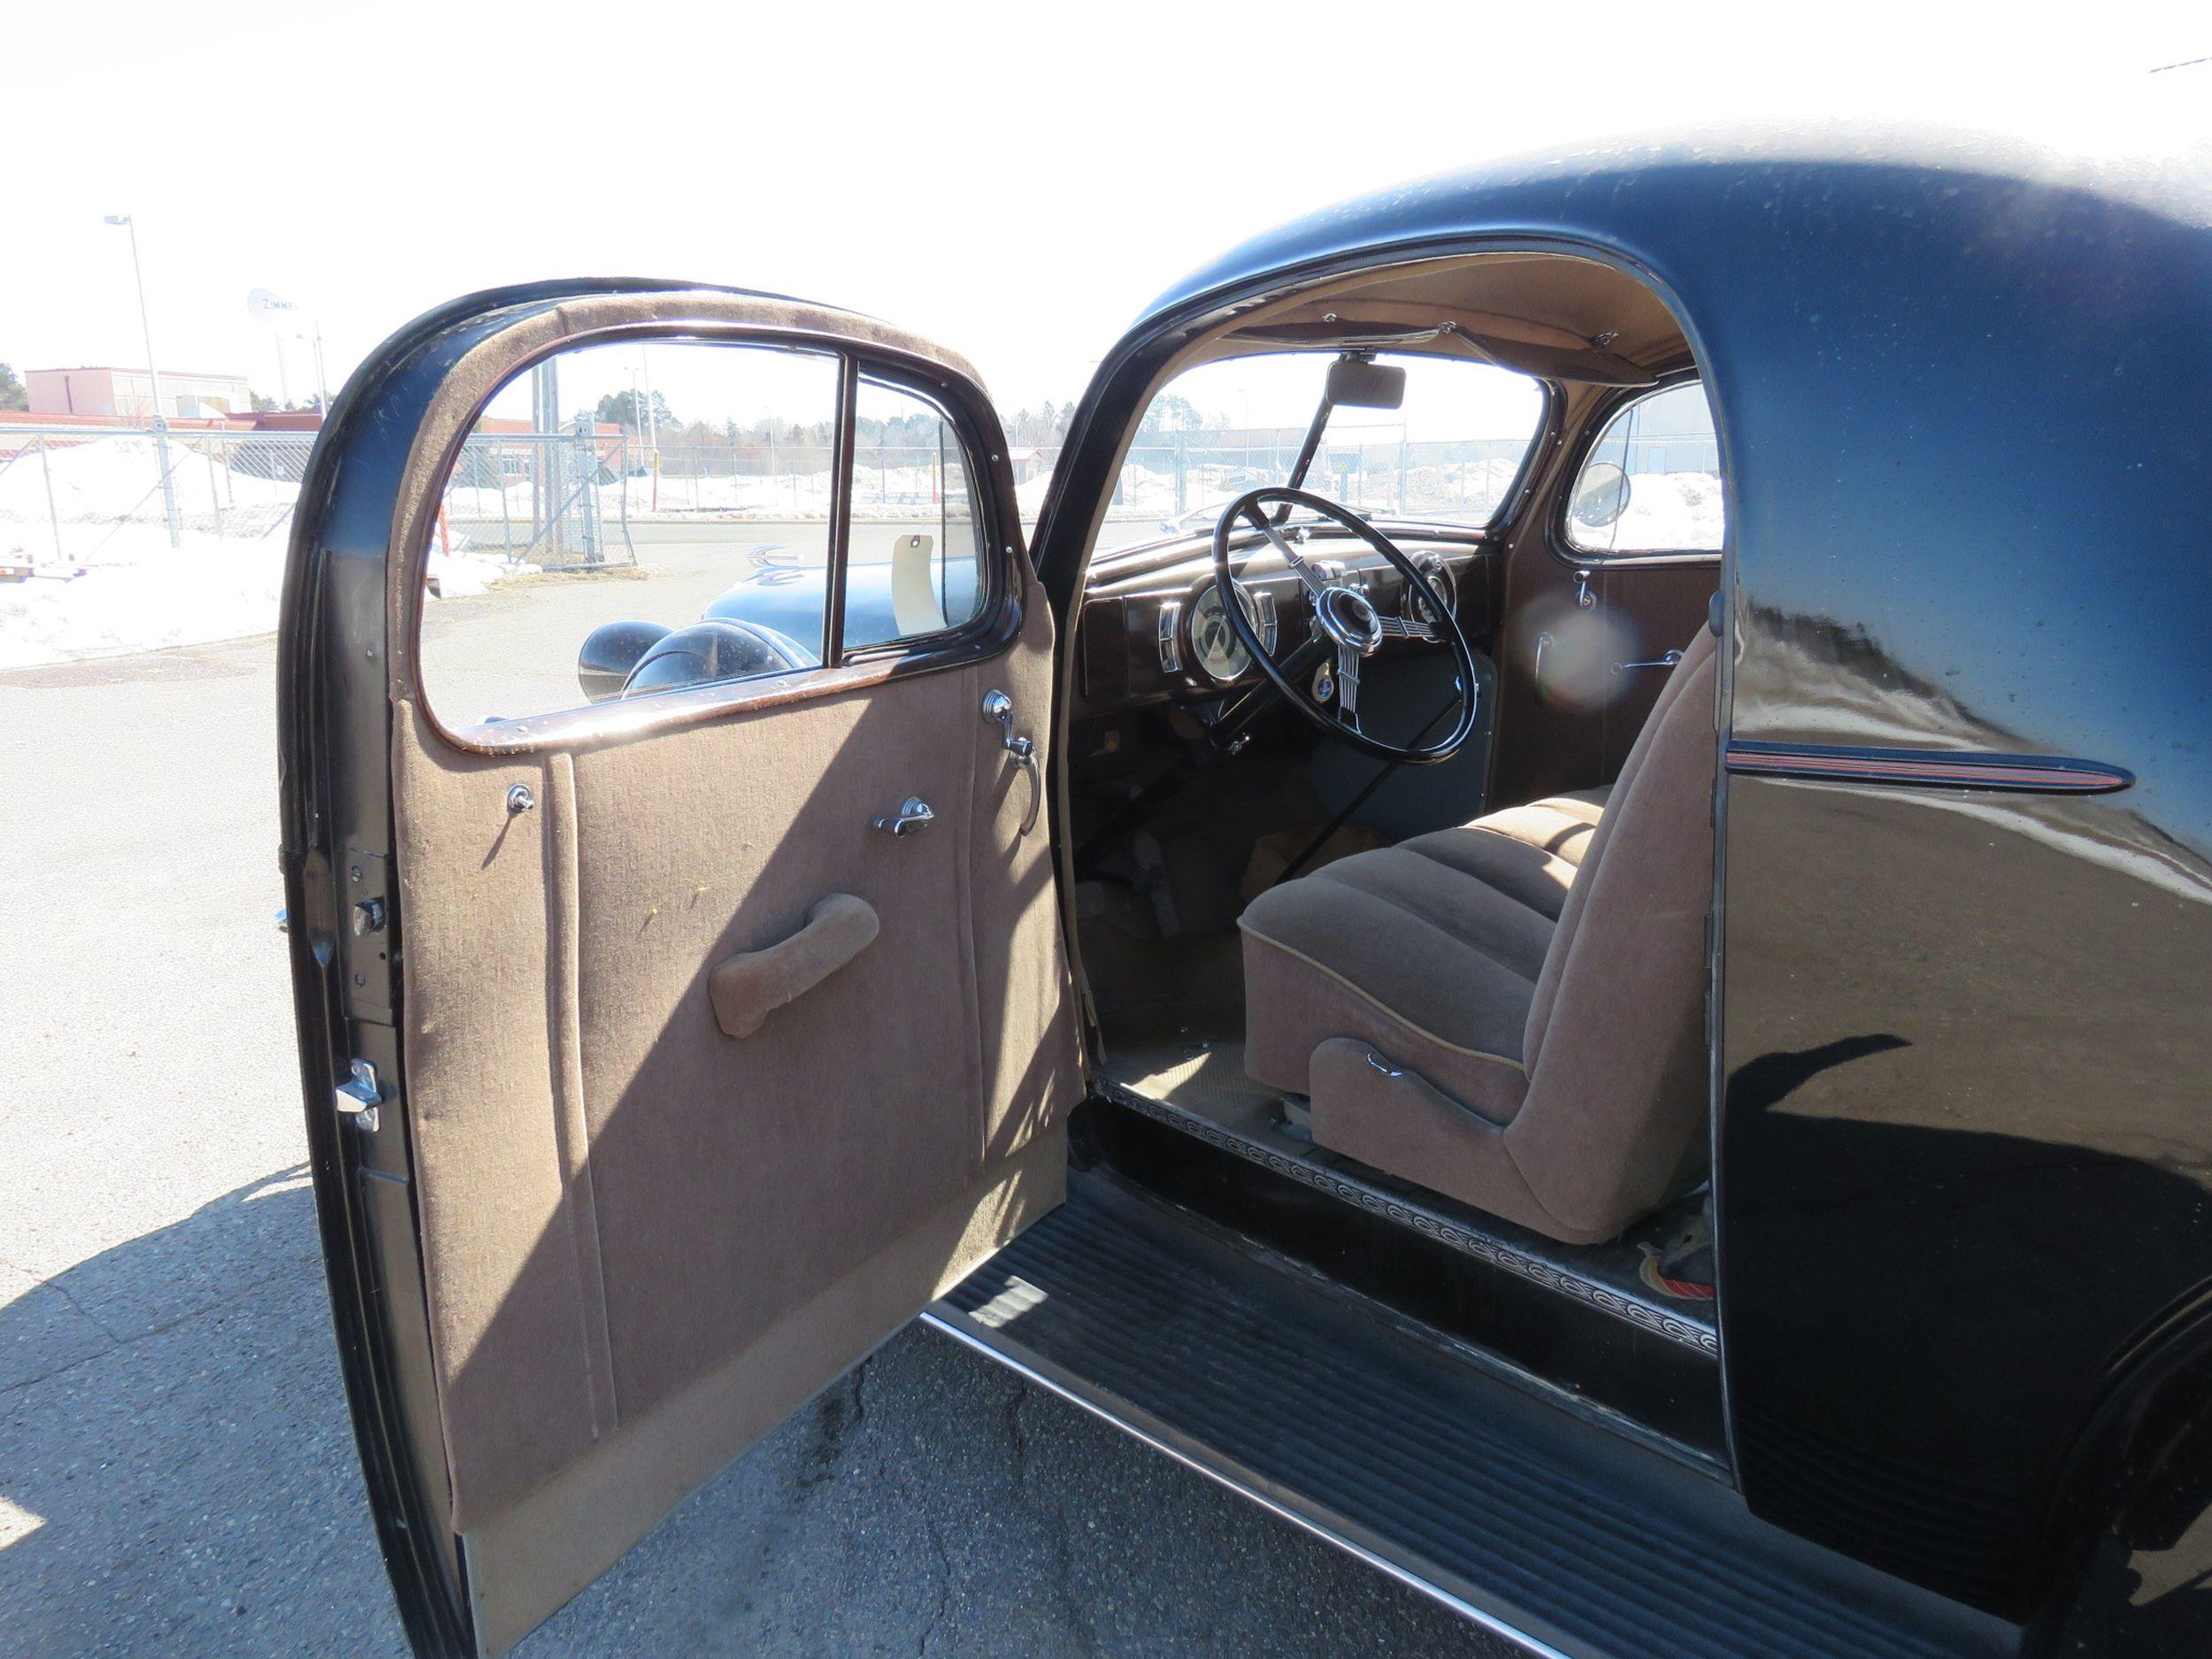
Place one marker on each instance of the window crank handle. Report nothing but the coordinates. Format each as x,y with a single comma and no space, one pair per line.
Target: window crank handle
998,710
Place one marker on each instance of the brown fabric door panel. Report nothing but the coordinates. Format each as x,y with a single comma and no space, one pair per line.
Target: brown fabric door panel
1656,609
625,1212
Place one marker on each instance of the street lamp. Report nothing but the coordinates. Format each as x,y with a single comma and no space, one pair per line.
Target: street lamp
161,425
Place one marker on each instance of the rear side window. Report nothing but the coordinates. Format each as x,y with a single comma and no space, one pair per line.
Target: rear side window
1651,483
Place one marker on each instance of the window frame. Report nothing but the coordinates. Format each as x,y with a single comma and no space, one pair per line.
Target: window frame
1594,429
991,593
992,629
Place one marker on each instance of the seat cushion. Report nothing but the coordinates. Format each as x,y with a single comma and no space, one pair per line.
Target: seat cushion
1561,825
1430,949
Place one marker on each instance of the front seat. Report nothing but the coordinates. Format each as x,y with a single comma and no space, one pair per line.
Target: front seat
1512,1013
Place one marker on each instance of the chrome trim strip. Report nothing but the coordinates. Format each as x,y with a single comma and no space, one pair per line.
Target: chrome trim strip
1645,1316
2037,774
956,1325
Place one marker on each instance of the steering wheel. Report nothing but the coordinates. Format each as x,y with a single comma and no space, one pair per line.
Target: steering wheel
1346,625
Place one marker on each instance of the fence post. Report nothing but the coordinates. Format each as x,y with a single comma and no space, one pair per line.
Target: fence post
214,491
1182,474
168,482
53,518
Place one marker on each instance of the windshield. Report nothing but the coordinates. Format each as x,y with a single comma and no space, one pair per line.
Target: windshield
1448,453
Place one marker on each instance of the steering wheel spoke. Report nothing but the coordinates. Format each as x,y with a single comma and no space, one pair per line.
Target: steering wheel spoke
1314,580
1401,628
1348,687
1346,627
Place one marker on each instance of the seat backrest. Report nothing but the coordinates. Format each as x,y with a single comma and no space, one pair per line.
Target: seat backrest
1615,1044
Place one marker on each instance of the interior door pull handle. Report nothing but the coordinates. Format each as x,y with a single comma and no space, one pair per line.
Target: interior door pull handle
747,988
998,710
1667,661
912,817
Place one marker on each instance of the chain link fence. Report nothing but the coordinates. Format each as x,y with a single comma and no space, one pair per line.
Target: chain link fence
570,499
555,500
87,495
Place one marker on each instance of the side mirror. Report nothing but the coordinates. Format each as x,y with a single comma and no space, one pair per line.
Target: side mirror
1600,495
1362,383
609,652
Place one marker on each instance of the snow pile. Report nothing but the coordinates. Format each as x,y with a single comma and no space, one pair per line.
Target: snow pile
212,587
147,595
459,574
114,479
1666,510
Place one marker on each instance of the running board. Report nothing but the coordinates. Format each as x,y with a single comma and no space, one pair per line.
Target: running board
1562,1538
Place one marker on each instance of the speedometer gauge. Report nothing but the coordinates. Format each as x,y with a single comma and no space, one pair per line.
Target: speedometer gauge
1219,653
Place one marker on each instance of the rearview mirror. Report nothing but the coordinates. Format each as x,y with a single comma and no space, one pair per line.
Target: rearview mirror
1357,383
1601,497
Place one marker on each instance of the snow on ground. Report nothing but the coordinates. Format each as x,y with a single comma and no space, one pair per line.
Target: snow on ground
146,595
1665,511
106,478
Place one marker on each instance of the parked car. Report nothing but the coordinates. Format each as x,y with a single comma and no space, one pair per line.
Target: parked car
1641,1060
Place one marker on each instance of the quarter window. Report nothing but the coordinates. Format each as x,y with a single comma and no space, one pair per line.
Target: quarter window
1651,483
916,565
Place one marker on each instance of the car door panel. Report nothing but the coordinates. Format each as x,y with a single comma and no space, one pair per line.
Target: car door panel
643,1241
1656,606
623,1208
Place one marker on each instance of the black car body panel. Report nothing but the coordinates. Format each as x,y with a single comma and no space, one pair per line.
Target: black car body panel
1964,1148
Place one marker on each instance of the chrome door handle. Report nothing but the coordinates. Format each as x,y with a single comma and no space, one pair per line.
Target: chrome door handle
998,710
912,816
1667,661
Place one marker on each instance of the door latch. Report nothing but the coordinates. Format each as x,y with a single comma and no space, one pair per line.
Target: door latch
998,710
360,1095
912,818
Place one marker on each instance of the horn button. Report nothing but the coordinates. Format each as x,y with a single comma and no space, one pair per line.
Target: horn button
1349,618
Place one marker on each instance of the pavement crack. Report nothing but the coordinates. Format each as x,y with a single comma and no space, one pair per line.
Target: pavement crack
943,1601
837,1419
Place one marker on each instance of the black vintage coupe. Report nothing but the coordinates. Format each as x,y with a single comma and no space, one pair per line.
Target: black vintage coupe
1656,1086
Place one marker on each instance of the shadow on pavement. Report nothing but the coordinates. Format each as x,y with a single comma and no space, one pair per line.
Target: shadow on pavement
177,1477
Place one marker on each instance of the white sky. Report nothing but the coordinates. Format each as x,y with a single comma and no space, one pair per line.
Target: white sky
1014,182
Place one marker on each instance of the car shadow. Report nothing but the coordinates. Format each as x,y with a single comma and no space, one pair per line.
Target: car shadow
176,1469
178,1475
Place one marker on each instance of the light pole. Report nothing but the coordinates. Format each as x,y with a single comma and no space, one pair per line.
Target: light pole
161,424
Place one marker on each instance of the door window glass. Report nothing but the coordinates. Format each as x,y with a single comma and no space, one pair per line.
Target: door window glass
630,518
916,565
1651,483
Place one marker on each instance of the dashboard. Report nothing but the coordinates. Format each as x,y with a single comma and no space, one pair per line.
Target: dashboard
1152,627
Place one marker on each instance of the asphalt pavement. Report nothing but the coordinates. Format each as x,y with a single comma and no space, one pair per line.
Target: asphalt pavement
176,1473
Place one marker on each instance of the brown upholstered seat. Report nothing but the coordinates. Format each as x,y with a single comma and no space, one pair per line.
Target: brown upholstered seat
1512,1012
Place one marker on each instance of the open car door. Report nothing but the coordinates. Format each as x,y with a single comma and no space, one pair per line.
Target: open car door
662,1055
